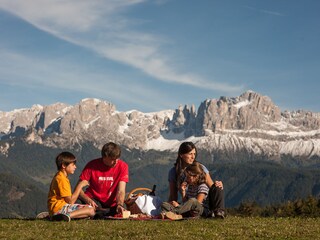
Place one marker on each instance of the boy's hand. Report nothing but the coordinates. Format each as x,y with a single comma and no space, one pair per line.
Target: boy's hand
174,203
92,203
84,183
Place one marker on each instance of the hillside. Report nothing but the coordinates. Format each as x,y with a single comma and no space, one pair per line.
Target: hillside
26,179
260,153
19,198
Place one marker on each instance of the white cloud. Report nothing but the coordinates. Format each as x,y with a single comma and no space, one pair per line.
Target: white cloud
274,13
100,26
72,15
36,73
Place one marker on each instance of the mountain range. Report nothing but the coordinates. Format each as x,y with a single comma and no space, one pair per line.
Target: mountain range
227,132
250,122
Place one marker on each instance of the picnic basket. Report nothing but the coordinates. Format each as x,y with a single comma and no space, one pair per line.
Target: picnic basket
132,196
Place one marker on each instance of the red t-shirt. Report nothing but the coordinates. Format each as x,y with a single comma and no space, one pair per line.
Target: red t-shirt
104,180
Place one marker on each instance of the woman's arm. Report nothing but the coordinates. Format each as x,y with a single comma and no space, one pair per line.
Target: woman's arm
173,192
210,182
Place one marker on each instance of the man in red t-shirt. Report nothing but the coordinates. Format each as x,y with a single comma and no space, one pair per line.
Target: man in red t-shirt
107,177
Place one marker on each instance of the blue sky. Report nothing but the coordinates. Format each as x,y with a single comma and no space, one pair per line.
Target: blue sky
157,55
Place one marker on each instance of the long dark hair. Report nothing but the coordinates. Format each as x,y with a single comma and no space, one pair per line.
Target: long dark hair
180,165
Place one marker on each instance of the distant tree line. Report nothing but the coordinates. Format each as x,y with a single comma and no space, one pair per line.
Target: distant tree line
309,207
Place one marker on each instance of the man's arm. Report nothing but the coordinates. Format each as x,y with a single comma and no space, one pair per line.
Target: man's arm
121,192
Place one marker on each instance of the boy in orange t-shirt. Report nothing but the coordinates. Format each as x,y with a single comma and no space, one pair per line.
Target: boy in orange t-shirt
61,201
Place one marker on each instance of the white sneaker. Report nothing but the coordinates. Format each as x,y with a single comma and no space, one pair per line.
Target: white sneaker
43,215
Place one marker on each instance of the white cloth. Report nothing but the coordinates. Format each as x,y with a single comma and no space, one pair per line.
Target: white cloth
150,205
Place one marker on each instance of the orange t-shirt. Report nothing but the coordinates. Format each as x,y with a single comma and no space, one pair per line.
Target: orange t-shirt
59,189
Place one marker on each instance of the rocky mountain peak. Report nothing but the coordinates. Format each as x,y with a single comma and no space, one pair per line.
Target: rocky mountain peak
46,119
250,121
249,110
263,105
303,119
183,120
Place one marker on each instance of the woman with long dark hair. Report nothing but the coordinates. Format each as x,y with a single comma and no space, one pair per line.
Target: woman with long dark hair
187,154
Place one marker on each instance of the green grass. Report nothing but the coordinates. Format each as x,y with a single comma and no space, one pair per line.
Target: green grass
230,228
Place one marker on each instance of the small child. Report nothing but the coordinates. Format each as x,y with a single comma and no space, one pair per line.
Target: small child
61,201
194,193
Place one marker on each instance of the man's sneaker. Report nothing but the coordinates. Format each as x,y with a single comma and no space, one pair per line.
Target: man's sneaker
61,217
43,215
219,214
172,216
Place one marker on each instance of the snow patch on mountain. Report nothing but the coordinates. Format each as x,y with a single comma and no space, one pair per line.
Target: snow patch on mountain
87,125
249,123
242,104
169,144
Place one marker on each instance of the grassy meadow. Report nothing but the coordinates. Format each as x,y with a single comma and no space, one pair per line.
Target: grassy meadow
230,228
